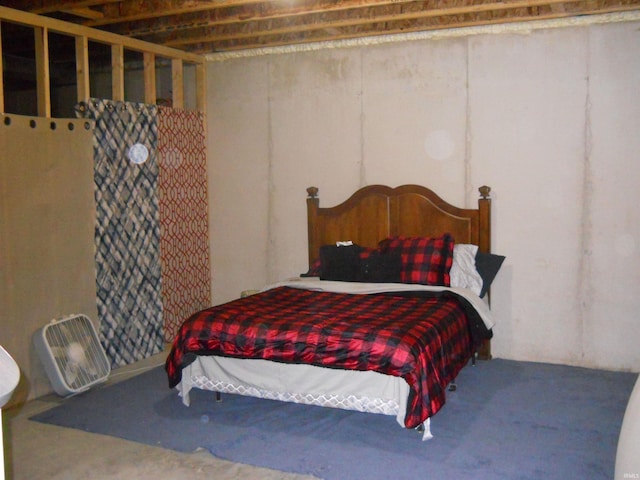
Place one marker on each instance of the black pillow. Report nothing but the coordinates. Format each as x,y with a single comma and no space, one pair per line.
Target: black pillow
381,268
341,263
488,265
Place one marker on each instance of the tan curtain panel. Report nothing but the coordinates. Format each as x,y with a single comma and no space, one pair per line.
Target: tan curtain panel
47,216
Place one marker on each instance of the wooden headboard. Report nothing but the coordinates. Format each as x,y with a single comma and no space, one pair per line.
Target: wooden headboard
377,211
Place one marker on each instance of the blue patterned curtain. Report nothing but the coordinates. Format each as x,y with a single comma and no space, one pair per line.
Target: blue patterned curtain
127,234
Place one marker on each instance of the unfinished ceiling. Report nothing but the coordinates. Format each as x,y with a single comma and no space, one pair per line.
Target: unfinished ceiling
204,26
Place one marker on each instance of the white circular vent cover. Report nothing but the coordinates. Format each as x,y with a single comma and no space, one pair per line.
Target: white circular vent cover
138,153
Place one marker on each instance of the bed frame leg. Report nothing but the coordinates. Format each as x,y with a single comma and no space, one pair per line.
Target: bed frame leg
452,386
424,429
218,397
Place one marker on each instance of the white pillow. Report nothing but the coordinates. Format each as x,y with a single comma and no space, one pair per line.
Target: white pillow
463,272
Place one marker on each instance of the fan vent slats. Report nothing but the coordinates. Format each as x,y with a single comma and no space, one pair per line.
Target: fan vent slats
72,354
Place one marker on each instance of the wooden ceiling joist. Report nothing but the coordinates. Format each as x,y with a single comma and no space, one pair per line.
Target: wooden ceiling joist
150,12
85,13
40,7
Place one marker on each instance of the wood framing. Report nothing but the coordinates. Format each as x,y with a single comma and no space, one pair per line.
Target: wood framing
43,26
82,68
177,82
201,81
117,72
149,77
41,36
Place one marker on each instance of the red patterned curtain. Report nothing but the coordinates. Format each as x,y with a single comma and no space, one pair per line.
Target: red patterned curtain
184,221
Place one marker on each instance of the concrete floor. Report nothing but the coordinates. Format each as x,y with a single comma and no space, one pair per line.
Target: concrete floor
35,451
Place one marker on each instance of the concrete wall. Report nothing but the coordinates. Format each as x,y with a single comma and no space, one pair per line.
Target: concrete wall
547,118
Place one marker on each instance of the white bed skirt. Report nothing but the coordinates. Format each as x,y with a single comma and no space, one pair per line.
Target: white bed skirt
367,391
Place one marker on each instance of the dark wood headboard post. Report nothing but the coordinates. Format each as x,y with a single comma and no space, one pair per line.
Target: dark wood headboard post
313,203
484,240
484,208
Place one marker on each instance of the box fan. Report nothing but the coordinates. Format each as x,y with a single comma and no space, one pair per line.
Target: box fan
71,354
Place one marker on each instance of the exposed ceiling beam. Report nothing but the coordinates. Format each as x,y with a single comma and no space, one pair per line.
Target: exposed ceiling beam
85,13
41,7
151,10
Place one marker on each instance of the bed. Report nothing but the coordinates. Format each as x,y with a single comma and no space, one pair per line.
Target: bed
368,327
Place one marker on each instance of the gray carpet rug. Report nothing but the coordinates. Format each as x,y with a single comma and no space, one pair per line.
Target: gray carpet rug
507,419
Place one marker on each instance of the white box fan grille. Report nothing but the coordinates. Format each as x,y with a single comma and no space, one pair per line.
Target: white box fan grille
72,354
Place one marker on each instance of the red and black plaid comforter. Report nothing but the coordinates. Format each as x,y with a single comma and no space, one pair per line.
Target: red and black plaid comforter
425,339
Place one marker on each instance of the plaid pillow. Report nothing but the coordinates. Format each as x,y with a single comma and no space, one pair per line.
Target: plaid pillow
366,252
424,260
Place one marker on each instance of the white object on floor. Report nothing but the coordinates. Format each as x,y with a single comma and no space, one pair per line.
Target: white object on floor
628,454
9,378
